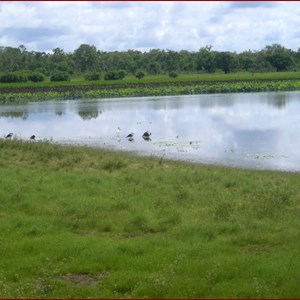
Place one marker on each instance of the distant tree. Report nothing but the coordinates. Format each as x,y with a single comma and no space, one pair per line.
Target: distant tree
206,59
153,68
171,61
10,59
279,57
246,60
121,74
38,61
225,61
86,58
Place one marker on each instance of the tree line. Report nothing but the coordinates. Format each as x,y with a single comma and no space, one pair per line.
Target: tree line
88,60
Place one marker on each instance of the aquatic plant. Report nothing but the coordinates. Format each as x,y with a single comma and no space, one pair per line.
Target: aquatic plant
138,90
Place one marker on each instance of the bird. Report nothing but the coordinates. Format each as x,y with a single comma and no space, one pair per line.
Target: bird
130,135
9,135
32,137
147,134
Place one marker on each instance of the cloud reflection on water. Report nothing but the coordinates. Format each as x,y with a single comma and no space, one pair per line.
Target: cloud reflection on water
257,130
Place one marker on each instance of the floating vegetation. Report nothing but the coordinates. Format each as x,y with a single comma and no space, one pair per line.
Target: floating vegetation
179,146
22,95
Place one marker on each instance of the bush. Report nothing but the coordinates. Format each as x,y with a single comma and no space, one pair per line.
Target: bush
13,77
121,74
36,77
94,76
140,74
60,76
114,75
173,74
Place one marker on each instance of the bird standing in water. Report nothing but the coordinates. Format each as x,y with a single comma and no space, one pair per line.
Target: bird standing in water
130,135
146,136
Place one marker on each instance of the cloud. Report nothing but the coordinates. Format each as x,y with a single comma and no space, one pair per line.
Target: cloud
251,4
26,35
122,25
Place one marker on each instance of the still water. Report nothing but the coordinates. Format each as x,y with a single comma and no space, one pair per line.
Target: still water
249,130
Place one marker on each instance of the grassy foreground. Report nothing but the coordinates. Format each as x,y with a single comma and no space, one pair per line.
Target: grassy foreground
81,222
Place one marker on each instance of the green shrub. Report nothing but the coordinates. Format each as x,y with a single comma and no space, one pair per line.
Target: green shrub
60,76
93,76
114,75
121,74
173,74
36,77
140,75
13,77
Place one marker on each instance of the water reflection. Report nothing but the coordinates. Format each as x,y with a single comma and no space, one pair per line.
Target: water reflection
257,130
279,100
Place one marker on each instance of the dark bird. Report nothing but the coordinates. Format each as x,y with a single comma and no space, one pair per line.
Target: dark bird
32,137
130,135
9,135
147,134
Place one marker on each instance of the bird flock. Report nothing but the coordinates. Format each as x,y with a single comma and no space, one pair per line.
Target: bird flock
146,135
130,137
10,135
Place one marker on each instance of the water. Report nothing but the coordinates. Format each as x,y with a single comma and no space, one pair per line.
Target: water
251,130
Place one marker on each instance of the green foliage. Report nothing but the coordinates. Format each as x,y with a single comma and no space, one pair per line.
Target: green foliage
206,59
114,75
85,58
60,76
13,77
88,59
36,77
173,74
279,57
225,61
140,75
92,76
154,87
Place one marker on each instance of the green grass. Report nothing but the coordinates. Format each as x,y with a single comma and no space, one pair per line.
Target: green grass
78,80
78,222
161,85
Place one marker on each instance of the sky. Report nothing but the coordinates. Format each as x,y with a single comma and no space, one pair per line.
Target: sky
137,25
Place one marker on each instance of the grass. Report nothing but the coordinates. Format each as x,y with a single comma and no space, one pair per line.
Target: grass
159,85
78,80
78,222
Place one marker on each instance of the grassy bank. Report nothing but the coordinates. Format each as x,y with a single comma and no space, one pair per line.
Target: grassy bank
80,222
186,84
78,80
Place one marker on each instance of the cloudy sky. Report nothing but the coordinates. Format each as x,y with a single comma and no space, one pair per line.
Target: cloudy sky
122,25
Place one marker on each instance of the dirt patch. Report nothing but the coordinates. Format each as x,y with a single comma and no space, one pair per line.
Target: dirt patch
84,278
